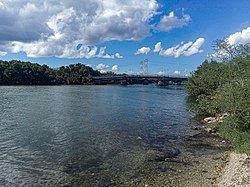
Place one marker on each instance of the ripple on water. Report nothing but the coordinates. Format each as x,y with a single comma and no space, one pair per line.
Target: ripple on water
88,135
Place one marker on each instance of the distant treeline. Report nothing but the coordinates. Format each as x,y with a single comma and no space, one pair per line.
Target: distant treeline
25,73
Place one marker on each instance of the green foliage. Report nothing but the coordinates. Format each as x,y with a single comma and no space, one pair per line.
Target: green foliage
224,86
76,74
204,84
240,139
25,73
208,77
112,74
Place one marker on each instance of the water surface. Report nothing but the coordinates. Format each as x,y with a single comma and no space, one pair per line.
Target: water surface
86,135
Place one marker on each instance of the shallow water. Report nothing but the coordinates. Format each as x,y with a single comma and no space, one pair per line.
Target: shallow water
87,135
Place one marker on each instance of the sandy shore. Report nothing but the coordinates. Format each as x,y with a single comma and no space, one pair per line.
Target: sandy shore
237,172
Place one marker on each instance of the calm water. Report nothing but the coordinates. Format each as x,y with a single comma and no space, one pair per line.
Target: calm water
85,135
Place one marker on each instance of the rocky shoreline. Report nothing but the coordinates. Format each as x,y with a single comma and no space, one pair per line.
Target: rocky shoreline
237,171
206,162
195,161
202,159
200,163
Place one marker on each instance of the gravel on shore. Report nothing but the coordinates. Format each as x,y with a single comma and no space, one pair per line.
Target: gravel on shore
237,172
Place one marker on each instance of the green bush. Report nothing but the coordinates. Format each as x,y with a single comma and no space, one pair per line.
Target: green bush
240,139
218,87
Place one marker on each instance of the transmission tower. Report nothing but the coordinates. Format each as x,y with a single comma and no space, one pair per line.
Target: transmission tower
144,67
141,68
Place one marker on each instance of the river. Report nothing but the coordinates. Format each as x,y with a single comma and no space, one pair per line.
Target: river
88,135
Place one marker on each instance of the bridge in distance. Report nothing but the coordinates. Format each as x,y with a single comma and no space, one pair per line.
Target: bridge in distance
139,79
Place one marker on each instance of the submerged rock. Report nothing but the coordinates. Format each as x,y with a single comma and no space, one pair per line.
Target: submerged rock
104,182
166,153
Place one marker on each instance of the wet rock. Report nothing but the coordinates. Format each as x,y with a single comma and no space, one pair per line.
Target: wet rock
166,170
216,157
210,130
196,128
72,169
104,182
223,115
156,146
168,153
209,119
217,119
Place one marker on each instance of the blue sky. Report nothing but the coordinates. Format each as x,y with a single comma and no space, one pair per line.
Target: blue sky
117,35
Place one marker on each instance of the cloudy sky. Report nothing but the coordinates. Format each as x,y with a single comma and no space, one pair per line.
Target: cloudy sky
116,35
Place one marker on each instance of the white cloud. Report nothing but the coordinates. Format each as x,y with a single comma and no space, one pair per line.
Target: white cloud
171,21
177,72
186,49
102,66
115,68
3,53
53,48
195,47
102,53
161,73
157,48
54,28
143,50
88,65
58,26
92,21
91,52
242,37
103,71
117,55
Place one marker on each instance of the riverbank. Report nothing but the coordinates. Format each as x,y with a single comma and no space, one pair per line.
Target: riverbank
200,162
207,160
202,159
237,171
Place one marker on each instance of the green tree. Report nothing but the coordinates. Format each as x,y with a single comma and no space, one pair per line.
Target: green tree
223,86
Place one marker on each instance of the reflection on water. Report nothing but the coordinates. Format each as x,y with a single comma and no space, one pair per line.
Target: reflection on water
87,135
